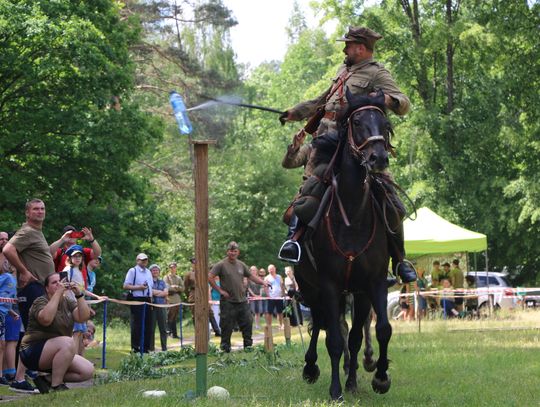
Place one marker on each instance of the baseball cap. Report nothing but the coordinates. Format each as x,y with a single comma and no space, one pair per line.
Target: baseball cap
142,256
74,249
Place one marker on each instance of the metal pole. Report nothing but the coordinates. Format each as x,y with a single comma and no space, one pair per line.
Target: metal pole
201,264
104,349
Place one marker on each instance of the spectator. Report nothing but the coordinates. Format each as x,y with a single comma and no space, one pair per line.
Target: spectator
189,284
8,289
159,314
73,272
47,344
291,286
403,303
60,247
436,274
421,284
254,290
214,297
12,323
234,307
175,284
139,281
91,268
447,300
29,253
274,291
89,336
457,280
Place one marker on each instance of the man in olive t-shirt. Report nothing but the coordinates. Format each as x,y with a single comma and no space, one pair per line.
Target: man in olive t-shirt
29,253
234,307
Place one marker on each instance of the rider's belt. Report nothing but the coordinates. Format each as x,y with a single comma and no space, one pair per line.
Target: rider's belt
330,116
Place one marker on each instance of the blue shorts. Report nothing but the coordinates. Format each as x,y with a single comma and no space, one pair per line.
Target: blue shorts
31,355
80,327
13,328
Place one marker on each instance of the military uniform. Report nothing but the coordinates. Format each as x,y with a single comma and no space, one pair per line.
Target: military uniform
175,284
234,309
361,79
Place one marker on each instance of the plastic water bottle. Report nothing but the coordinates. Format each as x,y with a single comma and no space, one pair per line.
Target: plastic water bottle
179,108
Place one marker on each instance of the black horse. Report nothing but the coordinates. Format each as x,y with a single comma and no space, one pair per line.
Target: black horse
348,251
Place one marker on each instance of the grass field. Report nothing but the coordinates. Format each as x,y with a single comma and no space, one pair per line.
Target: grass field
449,363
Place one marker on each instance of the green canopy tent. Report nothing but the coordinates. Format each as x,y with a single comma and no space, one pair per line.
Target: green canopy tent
430,234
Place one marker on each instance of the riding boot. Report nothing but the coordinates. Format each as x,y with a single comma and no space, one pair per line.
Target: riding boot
290,250
405,270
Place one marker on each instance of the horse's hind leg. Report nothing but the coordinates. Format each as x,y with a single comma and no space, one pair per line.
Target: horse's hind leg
381,381
369,363
362,307
311,370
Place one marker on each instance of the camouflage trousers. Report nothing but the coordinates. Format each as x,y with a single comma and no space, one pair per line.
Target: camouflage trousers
231,314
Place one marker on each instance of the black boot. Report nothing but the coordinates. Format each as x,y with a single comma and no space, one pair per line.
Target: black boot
405,270
290,250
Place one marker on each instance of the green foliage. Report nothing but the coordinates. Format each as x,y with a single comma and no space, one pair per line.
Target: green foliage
62,136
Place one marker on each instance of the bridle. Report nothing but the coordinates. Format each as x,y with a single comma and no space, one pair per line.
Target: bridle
357,149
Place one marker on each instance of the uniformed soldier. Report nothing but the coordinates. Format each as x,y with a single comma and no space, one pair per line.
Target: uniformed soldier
234,307
362,76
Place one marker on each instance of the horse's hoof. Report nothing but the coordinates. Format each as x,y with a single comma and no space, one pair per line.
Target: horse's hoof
338,399
369,365
381,386
311,373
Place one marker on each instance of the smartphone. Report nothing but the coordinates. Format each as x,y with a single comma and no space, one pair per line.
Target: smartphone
63,275
76,234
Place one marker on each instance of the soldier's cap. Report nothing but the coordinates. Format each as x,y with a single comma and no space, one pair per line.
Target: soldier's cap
233,246
172,264
363,35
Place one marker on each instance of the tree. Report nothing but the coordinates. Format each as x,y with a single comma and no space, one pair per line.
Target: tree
63,136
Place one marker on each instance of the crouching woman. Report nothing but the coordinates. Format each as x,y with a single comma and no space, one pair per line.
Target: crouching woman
47,345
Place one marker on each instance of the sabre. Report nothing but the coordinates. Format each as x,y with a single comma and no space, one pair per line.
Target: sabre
233,103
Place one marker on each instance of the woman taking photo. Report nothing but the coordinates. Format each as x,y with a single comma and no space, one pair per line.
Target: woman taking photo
47,345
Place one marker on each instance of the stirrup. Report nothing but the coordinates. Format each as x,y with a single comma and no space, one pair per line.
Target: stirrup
291,260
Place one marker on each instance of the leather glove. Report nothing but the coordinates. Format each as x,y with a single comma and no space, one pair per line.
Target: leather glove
283,117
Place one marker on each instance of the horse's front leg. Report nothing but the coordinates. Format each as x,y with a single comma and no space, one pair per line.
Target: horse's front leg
311,370
362,307
334,343
381,380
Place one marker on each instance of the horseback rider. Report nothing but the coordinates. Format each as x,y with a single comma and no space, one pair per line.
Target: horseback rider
361,75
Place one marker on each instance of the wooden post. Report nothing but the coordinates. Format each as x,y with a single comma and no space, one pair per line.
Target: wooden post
201,264
287,330
268,339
